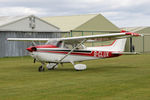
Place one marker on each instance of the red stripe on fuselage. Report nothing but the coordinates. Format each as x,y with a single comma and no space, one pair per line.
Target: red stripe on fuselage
99,54
73,53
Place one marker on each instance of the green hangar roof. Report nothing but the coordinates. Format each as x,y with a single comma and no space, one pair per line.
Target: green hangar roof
89,22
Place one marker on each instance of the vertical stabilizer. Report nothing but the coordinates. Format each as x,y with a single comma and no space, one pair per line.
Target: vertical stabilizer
117,45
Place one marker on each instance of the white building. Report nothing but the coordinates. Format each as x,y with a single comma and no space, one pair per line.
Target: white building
23,27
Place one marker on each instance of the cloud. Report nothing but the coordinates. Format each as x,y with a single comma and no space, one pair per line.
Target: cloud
128,19
12,11
120,12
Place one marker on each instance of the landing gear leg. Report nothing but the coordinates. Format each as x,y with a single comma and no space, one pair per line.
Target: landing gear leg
54,66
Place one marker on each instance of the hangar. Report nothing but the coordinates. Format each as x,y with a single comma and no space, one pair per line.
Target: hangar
23,27
140,44
79,25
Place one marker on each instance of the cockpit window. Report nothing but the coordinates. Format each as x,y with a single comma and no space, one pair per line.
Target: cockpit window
62,44
68,46
71,46
52,42
59,44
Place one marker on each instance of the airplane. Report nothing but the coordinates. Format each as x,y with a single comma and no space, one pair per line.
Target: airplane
72,49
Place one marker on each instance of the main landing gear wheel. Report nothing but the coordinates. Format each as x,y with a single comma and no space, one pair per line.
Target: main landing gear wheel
41,69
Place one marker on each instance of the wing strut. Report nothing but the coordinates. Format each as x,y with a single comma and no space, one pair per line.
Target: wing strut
69,52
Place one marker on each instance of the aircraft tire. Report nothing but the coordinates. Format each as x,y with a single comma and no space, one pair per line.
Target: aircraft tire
41,69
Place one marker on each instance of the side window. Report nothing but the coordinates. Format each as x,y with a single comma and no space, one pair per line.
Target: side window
68,46
71,46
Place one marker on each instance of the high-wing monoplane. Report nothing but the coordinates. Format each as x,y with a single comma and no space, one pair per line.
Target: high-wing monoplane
72,49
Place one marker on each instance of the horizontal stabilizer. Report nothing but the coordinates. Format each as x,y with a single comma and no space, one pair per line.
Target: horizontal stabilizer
127,53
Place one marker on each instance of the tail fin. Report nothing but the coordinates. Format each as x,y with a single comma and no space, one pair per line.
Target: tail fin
117,45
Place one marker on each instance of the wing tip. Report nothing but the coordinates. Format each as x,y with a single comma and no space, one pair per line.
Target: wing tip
133,34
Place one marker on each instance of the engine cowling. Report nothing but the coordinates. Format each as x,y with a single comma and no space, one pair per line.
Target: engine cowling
31,49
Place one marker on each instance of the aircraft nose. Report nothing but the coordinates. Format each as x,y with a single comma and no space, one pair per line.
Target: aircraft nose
31,49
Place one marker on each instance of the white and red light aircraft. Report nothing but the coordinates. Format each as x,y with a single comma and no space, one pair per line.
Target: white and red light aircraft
69,50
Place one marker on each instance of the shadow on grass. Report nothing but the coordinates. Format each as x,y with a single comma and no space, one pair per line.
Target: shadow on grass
103,68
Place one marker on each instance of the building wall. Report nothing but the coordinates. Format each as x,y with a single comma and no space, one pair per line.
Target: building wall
147,43
18,48
141,44
98,23
138,44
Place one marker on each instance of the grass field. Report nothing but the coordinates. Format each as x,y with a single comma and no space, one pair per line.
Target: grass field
121,78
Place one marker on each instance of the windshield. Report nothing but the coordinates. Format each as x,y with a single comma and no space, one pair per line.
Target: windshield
52,43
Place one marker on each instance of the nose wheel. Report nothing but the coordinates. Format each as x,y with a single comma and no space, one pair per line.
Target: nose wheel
41,69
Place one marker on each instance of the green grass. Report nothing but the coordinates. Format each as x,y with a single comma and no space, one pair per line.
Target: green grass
121,78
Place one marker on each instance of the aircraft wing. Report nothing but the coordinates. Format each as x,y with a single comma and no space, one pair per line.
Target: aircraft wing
102,37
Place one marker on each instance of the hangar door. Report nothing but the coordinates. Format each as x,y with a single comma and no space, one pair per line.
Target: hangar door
142,44
137,42
147,43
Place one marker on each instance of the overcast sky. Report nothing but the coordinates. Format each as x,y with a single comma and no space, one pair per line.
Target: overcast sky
122,13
